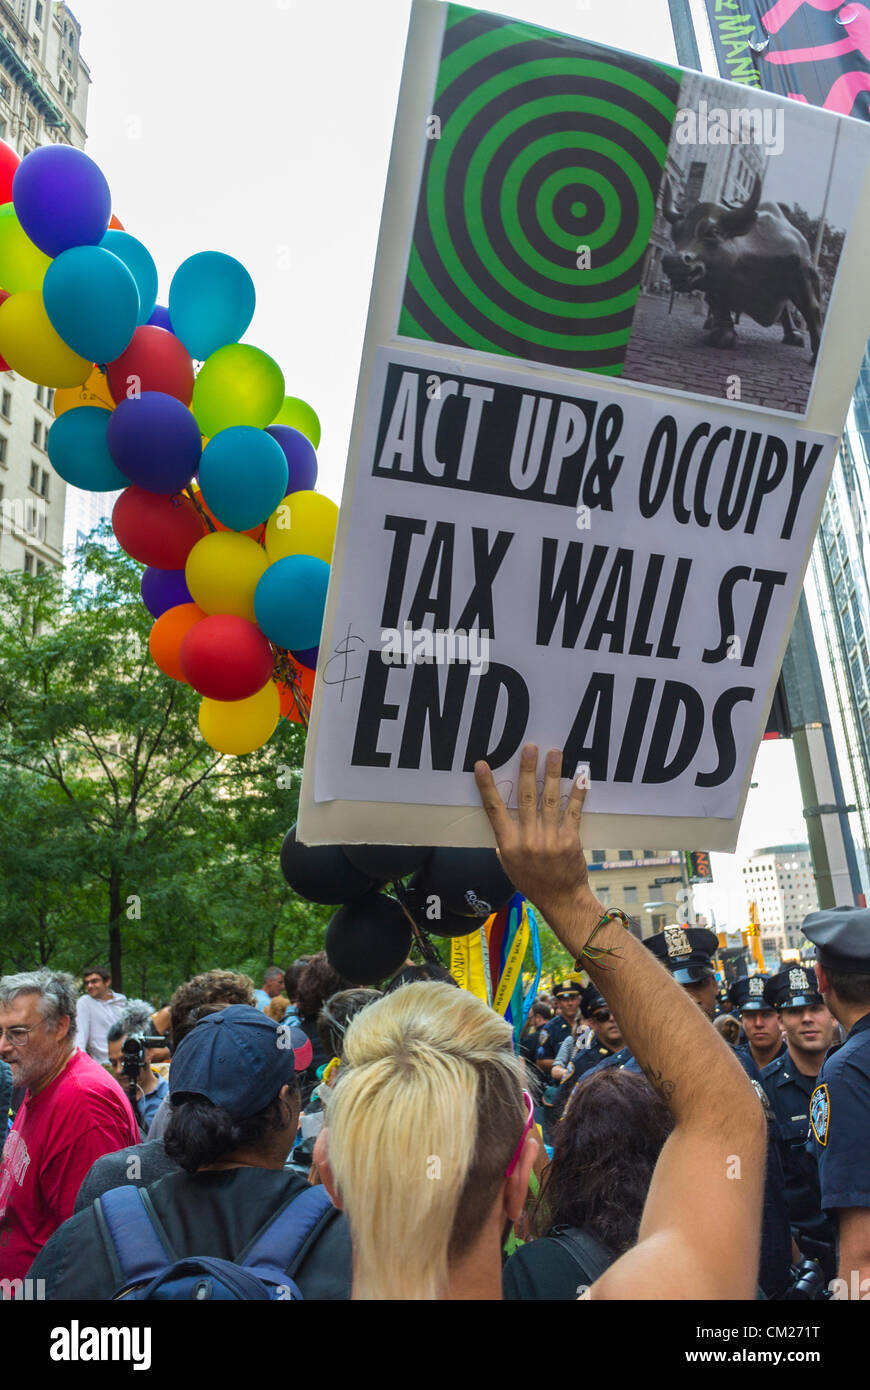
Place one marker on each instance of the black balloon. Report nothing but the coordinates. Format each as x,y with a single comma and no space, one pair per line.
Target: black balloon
470,883
384,863
368,940
446,924
321,873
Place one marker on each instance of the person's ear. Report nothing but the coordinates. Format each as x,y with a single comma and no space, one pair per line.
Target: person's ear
322,1164
822,978
517,1186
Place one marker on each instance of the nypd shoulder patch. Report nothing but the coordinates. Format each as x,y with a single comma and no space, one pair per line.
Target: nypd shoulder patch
820,1113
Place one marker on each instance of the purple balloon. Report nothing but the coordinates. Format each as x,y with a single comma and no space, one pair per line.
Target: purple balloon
301,458
160,318
307,658
163,589
155,441
61,198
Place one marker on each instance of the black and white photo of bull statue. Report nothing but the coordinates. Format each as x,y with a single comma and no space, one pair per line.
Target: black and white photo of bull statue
747,258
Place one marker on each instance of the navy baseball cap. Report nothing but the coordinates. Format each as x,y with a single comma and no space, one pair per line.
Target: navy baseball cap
590,1000
794,988
238,1059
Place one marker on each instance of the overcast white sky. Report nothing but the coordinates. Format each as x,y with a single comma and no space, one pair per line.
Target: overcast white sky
263,129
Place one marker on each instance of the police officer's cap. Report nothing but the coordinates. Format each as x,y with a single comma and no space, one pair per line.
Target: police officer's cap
565,987
590,1000
794,988
841,937
748,993
686,951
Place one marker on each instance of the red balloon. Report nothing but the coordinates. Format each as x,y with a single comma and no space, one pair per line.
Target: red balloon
9,162
226,658
156,529
157,361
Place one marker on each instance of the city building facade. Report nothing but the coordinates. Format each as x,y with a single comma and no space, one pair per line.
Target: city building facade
780,881
626,878
44,85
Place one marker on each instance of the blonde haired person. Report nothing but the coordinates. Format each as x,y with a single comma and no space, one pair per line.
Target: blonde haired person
428,1150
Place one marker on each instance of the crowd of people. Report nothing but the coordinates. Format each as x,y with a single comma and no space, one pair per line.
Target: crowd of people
653,1136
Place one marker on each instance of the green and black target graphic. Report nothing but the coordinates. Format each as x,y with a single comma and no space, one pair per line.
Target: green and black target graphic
538,195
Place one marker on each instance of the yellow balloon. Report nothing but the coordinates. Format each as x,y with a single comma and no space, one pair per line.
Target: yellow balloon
22,265
240,726
299,416
95,392
303,524
31,346
222,572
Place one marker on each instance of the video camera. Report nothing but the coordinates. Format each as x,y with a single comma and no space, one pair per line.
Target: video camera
133,1051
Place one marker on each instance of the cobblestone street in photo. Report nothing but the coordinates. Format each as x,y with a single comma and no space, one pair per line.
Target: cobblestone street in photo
670,350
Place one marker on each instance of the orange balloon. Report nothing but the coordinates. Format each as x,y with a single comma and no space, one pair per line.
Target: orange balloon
95,391
285,694
256,532
167,635
116,224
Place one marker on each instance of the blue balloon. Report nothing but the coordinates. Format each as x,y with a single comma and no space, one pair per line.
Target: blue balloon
155,441
243,476
160,318
61,198
211,302
301,457
308,657
163,589
92,302
290,599
137,259
79,453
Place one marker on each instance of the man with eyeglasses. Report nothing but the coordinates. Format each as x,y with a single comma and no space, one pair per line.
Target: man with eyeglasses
73,1112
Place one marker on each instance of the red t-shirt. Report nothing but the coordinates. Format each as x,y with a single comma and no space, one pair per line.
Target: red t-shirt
57,1135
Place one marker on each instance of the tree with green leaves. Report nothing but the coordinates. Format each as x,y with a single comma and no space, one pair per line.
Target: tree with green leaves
126,838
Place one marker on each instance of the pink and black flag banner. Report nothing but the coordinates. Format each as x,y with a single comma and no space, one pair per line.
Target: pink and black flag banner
817,51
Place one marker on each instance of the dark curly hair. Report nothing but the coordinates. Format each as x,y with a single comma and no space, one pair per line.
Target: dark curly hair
199,1133
317,983
213,987
605,1149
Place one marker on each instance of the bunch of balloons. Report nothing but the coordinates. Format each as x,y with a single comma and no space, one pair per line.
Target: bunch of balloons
452,892
218,465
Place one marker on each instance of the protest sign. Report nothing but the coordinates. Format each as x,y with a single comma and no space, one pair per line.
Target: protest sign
584,524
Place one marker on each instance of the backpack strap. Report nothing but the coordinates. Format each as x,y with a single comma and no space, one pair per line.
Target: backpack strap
275,1247
588,1254
138,1241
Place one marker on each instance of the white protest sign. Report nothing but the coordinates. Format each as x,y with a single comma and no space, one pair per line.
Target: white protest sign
578,511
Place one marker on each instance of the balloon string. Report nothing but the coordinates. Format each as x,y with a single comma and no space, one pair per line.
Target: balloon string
287,672
423,942
188,492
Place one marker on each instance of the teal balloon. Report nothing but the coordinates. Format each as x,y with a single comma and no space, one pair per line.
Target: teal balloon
92,301
79,453
137,259
211,302
290,599
243,476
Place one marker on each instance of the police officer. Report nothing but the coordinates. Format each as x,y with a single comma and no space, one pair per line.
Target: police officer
788,1082
606,1041
760,1021
553,1034
840,1101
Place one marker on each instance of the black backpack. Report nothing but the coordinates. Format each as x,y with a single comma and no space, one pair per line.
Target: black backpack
151,1269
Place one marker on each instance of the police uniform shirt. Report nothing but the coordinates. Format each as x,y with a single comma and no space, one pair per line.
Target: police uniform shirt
744,1052
840,1122
551,1037
789,1092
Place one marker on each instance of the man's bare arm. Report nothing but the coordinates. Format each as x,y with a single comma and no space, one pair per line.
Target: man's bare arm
700,1232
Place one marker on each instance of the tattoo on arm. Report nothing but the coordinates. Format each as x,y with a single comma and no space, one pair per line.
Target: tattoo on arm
665,1088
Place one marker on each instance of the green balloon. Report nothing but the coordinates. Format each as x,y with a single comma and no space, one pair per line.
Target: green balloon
299,416
237,385
22,265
